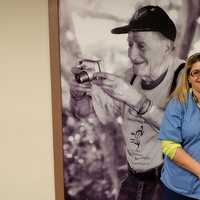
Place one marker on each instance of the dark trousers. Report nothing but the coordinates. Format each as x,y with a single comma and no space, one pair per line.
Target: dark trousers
167,194
141,186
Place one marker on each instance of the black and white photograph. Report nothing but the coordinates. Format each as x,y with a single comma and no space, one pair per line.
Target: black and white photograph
119,62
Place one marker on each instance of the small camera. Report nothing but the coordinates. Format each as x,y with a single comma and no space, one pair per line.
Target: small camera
85,70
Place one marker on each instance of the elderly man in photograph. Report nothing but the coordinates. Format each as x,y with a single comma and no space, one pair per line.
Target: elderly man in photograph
139,101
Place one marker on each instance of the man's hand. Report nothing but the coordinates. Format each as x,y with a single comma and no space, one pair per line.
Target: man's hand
80,99
118,88
79,90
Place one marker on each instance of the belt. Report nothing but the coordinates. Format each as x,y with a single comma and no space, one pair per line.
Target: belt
151,174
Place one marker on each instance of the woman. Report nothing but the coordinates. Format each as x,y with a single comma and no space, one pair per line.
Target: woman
180,137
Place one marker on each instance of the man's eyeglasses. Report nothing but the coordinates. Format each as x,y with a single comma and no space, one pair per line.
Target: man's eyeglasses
195,73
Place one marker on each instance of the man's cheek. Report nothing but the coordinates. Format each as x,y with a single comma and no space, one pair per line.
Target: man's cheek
140,67
135,69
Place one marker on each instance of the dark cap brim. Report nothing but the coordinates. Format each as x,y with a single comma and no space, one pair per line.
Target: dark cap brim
121,30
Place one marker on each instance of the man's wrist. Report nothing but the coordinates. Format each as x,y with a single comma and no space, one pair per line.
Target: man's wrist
77,95
144,106
137,101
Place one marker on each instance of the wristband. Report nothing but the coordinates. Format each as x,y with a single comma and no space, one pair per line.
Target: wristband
145,106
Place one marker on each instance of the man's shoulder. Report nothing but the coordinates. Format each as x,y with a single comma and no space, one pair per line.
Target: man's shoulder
177,68
177,63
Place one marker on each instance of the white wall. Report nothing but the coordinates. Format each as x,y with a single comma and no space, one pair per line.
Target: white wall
26,145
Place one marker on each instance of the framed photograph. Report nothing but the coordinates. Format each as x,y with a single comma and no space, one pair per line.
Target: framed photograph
90,156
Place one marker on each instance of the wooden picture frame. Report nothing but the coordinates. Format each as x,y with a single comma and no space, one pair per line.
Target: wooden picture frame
56,97
55,61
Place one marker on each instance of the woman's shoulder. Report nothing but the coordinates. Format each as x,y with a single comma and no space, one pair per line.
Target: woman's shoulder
174,101
174,105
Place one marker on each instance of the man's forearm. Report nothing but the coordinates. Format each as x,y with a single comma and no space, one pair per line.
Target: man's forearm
154,115
145,108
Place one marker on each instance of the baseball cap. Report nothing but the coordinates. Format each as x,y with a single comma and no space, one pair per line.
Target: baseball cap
149,18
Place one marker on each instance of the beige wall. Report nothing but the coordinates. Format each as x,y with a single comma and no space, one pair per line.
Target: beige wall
26,149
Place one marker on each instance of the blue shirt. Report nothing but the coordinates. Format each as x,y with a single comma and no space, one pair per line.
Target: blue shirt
181,123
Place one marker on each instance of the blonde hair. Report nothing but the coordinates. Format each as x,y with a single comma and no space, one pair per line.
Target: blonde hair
181,91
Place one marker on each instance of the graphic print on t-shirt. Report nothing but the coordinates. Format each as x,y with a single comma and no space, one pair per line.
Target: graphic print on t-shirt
137,136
